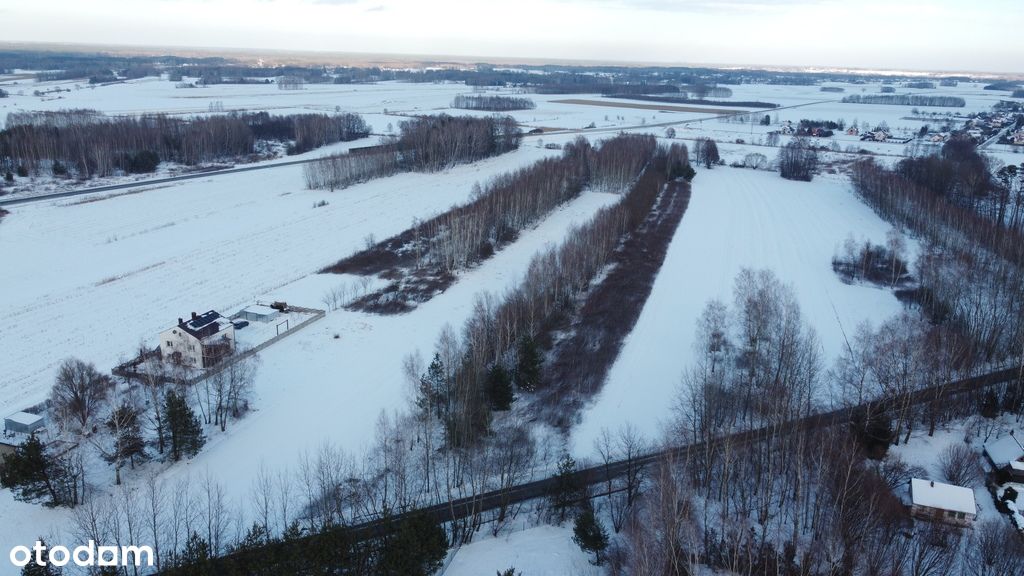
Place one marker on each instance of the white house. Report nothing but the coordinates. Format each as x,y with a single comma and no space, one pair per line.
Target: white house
942,502
200,342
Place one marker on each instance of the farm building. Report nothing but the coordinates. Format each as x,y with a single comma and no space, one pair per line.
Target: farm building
257,313
200,342
1006,454
23,422
942,502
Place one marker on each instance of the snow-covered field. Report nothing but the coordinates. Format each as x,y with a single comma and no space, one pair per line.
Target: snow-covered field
93,279
95,276
737,218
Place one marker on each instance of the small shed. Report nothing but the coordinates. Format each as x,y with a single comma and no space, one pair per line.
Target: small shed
258,313
942,502
23,422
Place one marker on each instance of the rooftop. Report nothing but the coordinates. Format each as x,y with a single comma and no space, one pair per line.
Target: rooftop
25,418
942,496
1004,450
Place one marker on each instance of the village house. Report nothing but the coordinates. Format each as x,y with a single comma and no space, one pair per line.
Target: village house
199,342
852,131
1018,138
940,502
1006,455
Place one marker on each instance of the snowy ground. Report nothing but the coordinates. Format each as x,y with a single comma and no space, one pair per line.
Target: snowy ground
94,276
737,218
94,279
539,551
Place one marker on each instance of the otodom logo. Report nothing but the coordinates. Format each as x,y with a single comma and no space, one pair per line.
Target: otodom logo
87,555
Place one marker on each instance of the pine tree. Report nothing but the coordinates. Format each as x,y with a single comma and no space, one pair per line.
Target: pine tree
589,534
183,427
499,388
567,489
433,388
417,549
528,367
127,438
33,569
196,555
31,473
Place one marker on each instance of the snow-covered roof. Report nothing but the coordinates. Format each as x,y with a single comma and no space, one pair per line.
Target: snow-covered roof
1004,450
25,418
260,309
942,496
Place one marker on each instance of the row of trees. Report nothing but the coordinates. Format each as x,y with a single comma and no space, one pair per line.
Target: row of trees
513,201
425,144
502,334
493,103
423,258
905,100
84,144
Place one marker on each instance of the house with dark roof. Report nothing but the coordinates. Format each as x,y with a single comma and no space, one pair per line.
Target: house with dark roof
202,341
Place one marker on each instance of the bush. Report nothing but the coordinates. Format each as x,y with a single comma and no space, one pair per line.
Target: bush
143,162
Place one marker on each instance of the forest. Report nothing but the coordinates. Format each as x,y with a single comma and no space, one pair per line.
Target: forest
85,143
425,144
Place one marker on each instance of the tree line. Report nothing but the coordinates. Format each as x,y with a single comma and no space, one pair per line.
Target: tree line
492,103
500,343
86,144
905,100
422,259
425,144
970,272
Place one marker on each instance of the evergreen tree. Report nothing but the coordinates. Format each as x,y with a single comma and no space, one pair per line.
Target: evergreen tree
195,558
33,569
566,491
32,474
499,388
528,367
589,534
183,427
126,430
433,388
417,549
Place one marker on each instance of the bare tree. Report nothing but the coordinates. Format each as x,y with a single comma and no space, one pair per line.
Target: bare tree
960,465
79,394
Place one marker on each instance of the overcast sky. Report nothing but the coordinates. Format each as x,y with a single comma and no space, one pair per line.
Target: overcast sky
981,35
